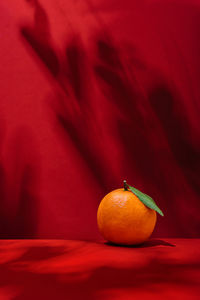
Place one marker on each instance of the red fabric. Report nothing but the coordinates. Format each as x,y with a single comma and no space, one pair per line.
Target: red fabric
55,269
94,92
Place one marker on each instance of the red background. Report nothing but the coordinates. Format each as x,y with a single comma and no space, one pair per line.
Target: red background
91,93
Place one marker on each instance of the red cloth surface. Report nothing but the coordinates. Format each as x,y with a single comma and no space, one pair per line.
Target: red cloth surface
91,93
63,269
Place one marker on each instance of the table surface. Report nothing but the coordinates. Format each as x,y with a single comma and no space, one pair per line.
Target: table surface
66,269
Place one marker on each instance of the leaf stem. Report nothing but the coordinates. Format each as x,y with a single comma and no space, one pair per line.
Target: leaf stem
125,185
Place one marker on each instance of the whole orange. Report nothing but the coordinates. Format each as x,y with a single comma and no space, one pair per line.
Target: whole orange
123,219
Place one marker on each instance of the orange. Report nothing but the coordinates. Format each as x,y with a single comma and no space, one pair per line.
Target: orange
123,219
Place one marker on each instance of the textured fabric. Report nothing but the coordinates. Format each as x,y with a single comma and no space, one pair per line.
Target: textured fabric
74,270
91,93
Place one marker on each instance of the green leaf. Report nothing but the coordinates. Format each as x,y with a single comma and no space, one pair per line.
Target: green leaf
146,200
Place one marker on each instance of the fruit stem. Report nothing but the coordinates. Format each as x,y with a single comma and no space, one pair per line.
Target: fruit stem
125,185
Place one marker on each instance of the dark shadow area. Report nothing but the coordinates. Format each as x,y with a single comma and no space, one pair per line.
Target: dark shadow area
124,93
2,182
173,119
76,69
149,243
39,38
19,184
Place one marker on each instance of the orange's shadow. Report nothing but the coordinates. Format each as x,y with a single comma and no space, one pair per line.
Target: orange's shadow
149,243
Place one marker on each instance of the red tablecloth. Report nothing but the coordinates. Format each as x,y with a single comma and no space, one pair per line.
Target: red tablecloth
63,269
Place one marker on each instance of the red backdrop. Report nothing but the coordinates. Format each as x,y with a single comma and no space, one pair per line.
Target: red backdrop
94,92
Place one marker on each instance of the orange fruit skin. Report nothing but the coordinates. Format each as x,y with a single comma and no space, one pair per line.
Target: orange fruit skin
123,219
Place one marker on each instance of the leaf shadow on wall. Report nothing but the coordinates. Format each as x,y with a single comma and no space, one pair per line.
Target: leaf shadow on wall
72,107
71,89
72,104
